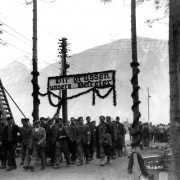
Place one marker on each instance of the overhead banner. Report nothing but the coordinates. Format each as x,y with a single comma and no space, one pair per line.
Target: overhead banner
89,80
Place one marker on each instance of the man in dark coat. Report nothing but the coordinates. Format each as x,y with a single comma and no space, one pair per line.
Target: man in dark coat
61,136
94,135
50,149
83,141
25,138
2,153
57,120
10,141
120,136
72,145
103,141
113,132
91,146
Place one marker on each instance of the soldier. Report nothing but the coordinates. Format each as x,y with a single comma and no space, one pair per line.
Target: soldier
2,153
83,141
50,149
72,145
37,144
25,138
104,141
61,136
120,136
113,132
10,141
91,146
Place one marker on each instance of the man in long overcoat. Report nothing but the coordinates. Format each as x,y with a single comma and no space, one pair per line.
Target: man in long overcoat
38,144
25,138
9,141
83,141
50,149
61,136
103,141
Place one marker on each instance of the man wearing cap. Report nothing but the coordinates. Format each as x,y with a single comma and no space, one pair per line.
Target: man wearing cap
25,137
91,128
72,145
50,149
83,141
61,136
10,141
43,122
103,141
120,136
113,132
37,144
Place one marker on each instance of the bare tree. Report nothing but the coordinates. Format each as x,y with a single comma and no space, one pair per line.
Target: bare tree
162,5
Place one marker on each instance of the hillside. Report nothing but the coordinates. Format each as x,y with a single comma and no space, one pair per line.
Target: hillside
153,58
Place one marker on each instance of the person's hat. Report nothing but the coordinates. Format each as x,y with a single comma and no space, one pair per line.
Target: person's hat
25,120
50,119
36,121
42,118
93,121
8,118
102,116
80,118
58,119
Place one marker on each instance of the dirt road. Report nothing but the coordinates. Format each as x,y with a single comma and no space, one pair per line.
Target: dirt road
92,171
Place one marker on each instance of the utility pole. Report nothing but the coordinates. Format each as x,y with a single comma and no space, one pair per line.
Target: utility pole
134,66
148,106
35,72
64,66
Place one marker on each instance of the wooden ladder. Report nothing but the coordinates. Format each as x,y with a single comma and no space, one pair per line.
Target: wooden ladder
5,110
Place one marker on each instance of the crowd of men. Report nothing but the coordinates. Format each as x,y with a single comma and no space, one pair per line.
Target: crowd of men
153,133
75,141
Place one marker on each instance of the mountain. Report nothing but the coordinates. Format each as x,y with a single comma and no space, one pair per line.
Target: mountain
154,67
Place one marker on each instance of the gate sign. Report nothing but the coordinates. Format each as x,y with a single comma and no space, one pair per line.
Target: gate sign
90,80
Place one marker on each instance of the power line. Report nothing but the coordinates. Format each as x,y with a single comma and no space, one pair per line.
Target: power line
16,47
15,37
30,46
26,38
76,69
22,42
26,52
121,65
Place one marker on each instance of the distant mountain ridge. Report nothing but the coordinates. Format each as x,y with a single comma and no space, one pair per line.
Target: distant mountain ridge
154,67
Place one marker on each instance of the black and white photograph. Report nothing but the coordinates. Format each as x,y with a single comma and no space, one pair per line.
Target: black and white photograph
90,90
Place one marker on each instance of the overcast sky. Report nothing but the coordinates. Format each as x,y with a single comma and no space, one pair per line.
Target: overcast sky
86,24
